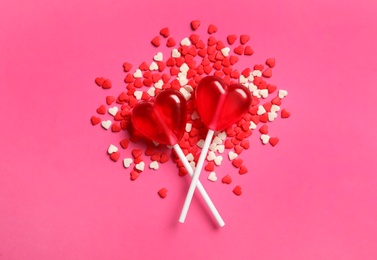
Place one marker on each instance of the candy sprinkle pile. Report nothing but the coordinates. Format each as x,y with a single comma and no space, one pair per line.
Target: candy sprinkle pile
191,59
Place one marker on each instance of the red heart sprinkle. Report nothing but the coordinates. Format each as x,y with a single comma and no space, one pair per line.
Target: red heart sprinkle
228,144
248,50
156,41
273,141
101,110
276,101
271,88
270,62
239,50
99,81
244,39
237,190
162,193
194,38
242,169
165,32
264,129
129,78
134,175
212,28
136,153
127,66
110,100
106,84
231,38
124,143
164,158
245,144
195,24
258,67
238,149
237,162
171,42
115,156
267,73
285,113
115,127
226,179
210,166
95,120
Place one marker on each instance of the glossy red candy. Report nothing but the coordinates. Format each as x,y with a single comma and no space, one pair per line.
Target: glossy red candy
163,120
220,105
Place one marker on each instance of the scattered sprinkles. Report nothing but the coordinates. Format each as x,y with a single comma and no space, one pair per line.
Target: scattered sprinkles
188,60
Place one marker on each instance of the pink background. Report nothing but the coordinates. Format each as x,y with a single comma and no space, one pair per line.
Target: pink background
313,196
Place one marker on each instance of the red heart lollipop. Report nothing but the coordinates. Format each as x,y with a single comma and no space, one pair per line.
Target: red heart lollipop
163,120
220,105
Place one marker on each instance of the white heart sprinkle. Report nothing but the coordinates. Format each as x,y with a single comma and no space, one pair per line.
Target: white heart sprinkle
265,138
188,127
220,148
183,81
190,157
158,56
257,73
200,143
261,110
212,147
189,88
252,125
282,93
222,135
232,155
138,94
218,160
212,177
113,111
155,143
185,42
263,93
138,74
106,124
127,162
185,93
175,53
252,87
242,79
211,156
154,165
151,91
140,166
256,93
153,66
182,75
159,84
275,108
225,51
272,116
184,68
251,77
112,149
217,140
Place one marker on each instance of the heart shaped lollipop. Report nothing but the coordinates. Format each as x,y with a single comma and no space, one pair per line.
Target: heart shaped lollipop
164,121
219,106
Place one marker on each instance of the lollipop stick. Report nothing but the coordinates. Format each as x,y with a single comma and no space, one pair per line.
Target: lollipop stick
195,178
200,187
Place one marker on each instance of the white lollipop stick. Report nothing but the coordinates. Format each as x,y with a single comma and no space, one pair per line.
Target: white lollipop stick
195,178
200,187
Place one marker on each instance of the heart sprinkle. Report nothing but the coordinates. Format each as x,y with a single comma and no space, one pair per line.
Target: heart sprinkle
180,66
